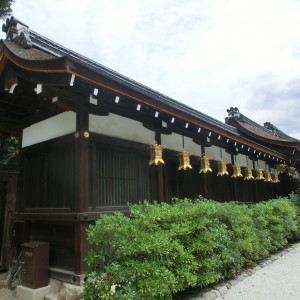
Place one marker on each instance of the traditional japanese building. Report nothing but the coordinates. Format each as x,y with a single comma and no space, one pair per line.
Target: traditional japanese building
86,136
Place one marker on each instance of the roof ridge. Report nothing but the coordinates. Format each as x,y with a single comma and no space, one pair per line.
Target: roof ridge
243,117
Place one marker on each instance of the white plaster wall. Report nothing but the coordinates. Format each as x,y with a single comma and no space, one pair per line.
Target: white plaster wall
121,127
214,153
174,142
260,164
241,159
59,125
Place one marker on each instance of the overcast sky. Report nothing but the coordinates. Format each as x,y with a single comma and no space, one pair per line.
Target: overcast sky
208,54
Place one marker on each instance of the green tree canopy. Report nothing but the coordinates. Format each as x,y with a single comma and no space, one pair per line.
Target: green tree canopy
5,9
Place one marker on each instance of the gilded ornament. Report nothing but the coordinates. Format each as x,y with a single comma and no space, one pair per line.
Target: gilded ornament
184,160
248,174
280,168
86,134
76,135
237,172
291,171
275,177
259,174
205,164
268,177
156,154
222,168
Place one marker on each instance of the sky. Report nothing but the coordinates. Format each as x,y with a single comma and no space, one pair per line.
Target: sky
208,54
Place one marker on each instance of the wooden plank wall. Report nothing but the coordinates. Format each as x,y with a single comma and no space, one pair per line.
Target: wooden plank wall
120,177
48,180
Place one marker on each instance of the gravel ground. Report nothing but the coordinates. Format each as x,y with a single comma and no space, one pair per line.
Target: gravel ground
7,295
278,281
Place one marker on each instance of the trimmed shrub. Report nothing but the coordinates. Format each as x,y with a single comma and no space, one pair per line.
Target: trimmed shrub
162,249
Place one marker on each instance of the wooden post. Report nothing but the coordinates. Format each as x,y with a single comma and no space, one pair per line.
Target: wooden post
205,179
234,182
81,247
160,176
82,197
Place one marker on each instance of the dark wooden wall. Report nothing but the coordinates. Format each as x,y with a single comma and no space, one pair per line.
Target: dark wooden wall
48,180
115,173
120,176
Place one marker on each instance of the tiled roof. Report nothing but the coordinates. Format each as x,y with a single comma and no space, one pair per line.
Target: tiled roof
58,50
263,132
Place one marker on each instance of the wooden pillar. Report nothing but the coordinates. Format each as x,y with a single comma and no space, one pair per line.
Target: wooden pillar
160,177
82,195
205,178
256,185
234,182
81,247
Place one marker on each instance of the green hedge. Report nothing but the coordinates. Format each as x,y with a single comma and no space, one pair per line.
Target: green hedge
163,249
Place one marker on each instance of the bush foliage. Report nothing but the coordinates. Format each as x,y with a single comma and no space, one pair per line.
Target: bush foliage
162,249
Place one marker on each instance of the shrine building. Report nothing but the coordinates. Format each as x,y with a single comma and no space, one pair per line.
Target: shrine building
92,140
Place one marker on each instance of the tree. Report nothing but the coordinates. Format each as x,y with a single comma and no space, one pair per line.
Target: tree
8,148
5,9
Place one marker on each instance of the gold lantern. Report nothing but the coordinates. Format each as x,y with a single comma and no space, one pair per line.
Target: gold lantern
268,177
156,154
237,172
222,168
280,168
205,164
259,174
291,170
275,177
248,174
184,160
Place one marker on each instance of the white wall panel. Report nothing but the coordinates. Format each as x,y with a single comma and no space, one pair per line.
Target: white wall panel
174,142
121,127
59,125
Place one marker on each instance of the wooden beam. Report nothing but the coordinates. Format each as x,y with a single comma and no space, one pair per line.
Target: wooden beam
68,100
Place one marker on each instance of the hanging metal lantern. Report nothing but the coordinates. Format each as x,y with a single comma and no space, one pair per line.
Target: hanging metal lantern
248,174
280,168
222,168
156,154
237,172
275,177
291,171
268,177
259,174
184,160
205,164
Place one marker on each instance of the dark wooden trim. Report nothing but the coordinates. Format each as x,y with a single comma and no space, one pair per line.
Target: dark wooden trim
82,172
86,216
81,247
66,276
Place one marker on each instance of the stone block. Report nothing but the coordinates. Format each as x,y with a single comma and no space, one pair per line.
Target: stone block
56,285
25,293
70,292
222,289
51,296
209,296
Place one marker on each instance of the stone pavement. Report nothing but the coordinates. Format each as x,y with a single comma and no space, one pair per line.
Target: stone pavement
276,278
